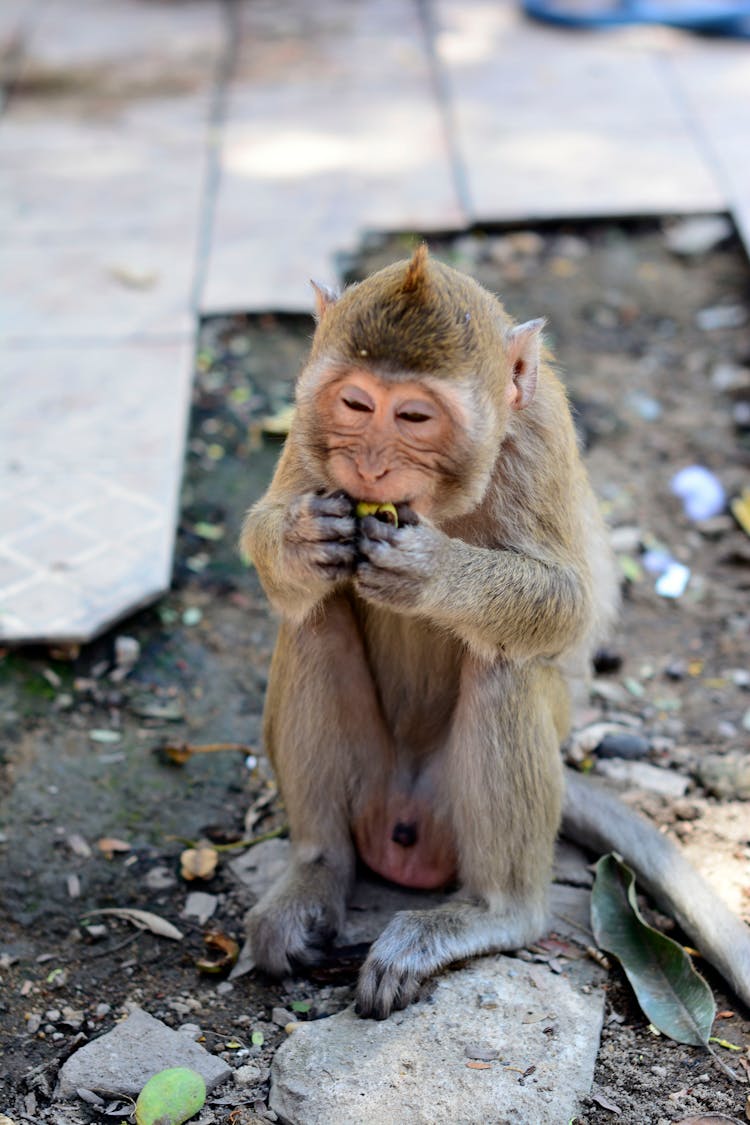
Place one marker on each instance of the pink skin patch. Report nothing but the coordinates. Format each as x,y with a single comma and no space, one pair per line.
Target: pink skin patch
398,837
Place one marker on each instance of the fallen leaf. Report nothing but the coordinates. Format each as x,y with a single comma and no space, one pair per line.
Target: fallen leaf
143,919
301,1005
479,1065
740,507
170,1097
109,736
606,1103
109,845
198,863
224,953
210,531
482,1054
673,996
257,1039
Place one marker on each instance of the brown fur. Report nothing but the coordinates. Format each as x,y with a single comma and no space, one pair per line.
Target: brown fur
420,671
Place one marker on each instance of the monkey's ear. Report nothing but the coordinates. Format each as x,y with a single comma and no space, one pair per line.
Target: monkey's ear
523,346
325,296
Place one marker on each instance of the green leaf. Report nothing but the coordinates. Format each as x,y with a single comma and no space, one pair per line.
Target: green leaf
301,1005
673,996
257,1039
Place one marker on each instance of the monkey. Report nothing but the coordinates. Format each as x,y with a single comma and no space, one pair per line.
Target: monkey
420,686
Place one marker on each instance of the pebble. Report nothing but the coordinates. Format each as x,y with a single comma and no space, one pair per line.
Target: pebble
248,1075
606,661
281,1017
721,316
701,492
200,905
694,237
729,377
622,744
673,582
643,775
726,776
159,879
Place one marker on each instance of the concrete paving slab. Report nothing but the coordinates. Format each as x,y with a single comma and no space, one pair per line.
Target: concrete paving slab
88,495
132,186
98,289
332,128
553,124
714,85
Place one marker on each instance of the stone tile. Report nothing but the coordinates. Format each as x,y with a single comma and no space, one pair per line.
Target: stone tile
96,289
552,124
92,443
332,128
714,84
130,187
89,36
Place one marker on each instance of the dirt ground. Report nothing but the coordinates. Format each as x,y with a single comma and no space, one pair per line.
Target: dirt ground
655,389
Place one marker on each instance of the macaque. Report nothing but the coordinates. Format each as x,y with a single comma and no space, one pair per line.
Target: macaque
419,689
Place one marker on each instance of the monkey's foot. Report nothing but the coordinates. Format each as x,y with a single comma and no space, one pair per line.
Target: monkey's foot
290,928
396,965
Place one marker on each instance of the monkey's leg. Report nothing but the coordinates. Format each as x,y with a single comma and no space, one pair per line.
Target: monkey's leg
503,780
323,731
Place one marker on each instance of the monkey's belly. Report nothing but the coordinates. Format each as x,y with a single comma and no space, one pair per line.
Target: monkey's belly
399,838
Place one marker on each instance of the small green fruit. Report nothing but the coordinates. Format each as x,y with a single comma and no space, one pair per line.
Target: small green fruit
170,1097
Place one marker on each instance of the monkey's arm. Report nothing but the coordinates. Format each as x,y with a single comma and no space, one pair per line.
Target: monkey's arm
495,600
300,541
598,820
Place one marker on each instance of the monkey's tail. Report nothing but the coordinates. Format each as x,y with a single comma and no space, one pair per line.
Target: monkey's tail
596,819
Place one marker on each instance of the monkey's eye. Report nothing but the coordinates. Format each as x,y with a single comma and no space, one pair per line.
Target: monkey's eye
357,404
413,416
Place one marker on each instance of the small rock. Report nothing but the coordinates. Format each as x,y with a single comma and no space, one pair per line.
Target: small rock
625,540
673,582
159,879
741,414
622,744
740,677
729,378
642,775
121,1062
281,1017
721,316
33,1023
701,492
78,845
248,1075
726,776
127,652
686,810
191,1029
200,905
676,670
694,237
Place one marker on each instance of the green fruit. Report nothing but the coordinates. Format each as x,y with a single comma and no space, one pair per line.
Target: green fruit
170,1097
385,512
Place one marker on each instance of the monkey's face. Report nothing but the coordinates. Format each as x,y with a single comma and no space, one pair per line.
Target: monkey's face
397,440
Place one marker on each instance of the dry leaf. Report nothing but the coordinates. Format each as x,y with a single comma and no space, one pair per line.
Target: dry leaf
224,950
198,863
143,919
479,1065
741,510
606,1103
109,845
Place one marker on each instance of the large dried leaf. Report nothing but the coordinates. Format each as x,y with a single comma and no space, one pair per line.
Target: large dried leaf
143,919
674,997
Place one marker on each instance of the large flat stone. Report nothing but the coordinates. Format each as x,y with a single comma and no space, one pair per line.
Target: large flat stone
88,508
550,124
413,1068
122,1061
332,128
96,289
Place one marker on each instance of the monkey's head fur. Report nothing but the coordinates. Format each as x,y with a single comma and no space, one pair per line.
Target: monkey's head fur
422,321
416,316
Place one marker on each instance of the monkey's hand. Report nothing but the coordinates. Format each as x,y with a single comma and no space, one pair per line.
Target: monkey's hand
394,564
318,539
